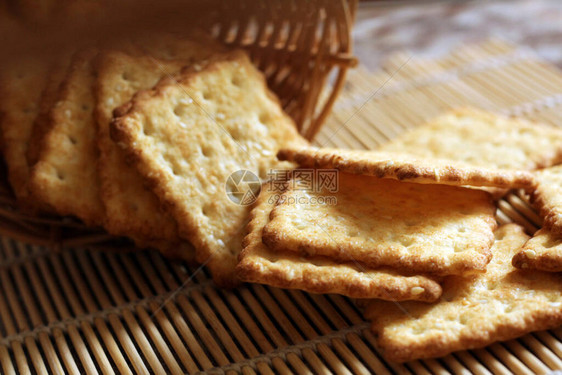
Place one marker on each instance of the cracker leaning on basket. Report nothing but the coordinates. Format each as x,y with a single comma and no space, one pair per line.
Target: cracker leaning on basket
65,177
281,269
21,85
48,98
132,209
474,311
188,134
410,227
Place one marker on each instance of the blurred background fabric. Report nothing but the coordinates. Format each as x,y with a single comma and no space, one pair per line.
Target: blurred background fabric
431,28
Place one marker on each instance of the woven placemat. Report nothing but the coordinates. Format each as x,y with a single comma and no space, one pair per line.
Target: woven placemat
106,312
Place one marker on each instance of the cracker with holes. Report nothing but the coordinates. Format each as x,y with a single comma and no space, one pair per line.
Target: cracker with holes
405,167
65,176
56,75
542,252
132,209
483,139
20,90
190,133
259,264
410,227
475,311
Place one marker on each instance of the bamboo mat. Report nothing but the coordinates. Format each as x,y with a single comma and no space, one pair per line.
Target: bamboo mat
104,312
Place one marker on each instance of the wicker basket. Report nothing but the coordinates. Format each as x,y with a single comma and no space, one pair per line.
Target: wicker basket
299,45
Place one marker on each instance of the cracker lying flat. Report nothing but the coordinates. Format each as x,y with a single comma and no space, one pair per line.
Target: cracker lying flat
65,176
500,304
189,134
483,139
20,90
259,264
542,252
547,198
405,167
382,222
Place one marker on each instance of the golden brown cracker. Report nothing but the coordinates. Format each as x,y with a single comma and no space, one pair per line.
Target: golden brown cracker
56,75
65,175
475,311
405,167
410,227
132,209
483,139
259,264
547,198
542,252
21,86
190,133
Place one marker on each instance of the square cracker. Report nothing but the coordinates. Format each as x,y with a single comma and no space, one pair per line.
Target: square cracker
190,133
405,167
542,252
547,198
21,85
259,264
500,304
132,209
483,139
41,126
65,176
410,227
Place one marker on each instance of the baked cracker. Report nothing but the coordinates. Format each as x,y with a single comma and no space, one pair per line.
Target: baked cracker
65,175
547,198
500,304
410,227
20,90
48,98
542,252
190,133
259,264
483,139
131,209
405,167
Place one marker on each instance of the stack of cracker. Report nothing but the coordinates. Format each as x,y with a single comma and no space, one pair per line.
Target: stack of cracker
163,139
188,114
190,133
414,222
